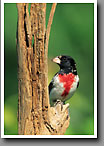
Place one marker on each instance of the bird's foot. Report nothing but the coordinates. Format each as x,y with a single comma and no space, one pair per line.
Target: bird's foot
59,102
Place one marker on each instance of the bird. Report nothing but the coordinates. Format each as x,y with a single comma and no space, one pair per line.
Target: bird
65,82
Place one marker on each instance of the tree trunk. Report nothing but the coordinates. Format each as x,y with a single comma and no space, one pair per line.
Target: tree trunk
35,116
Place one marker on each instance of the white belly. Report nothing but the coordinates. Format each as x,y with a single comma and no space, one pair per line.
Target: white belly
58,89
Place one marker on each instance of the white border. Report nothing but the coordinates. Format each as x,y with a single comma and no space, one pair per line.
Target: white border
95,69
51,1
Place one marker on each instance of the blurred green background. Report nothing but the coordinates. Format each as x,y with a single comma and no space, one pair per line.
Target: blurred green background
72,33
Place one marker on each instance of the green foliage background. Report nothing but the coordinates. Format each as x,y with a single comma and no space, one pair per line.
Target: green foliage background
72,33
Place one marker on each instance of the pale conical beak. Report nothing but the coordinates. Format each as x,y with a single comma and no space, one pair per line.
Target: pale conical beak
56,60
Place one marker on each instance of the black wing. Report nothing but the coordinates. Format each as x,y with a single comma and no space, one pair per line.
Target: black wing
50,86
78,85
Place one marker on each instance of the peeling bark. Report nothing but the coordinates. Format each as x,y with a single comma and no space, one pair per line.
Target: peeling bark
35,116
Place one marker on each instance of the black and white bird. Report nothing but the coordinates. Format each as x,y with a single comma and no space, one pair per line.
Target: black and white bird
65,81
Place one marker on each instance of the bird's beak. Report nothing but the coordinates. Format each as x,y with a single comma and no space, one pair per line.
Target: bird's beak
56,60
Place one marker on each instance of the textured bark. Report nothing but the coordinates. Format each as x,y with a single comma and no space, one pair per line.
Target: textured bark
35,116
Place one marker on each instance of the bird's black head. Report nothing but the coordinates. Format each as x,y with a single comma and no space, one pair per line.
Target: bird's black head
66,63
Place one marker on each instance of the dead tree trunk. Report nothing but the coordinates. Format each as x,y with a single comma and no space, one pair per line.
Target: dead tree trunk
35,116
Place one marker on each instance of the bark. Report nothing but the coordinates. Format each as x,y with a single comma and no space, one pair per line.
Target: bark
35,116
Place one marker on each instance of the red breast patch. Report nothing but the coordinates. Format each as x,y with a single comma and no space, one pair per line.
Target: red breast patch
67,80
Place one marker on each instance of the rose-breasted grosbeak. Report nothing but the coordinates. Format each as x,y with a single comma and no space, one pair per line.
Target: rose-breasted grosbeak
65,82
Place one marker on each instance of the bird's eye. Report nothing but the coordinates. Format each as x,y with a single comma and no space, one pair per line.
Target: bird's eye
64,59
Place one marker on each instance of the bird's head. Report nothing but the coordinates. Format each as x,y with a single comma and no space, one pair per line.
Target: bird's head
66,62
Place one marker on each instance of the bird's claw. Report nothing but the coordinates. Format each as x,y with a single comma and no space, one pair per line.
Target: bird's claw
59,102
